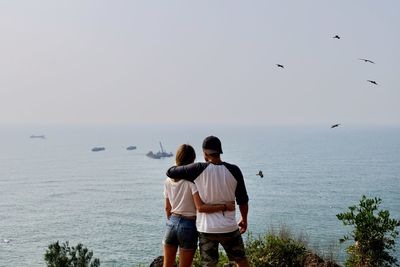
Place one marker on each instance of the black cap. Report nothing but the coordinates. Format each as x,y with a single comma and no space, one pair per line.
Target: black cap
212,145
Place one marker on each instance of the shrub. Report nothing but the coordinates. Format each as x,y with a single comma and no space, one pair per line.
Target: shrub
275,250
66,256
373,235
221,260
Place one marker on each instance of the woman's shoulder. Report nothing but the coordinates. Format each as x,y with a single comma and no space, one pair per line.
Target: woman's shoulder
172,181
169,181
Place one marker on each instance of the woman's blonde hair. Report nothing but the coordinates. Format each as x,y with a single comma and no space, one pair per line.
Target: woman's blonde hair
185,155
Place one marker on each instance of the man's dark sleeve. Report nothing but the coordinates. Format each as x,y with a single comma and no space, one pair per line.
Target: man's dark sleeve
187,172
241,192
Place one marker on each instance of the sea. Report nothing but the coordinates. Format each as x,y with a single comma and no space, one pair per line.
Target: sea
111,201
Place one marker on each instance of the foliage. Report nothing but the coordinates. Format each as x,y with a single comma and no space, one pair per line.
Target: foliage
374,234
275,250
66,256
221,260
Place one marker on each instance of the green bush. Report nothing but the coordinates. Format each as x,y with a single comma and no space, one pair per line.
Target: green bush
221,260
66,256
274,250
373,235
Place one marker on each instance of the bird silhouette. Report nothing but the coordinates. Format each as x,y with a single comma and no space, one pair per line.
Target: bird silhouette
373,82
335,125
367,60
260,173
280,66
336,37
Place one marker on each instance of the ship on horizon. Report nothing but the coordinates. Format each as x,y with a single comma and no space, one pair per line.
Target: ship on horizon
98,148
38,136
159,154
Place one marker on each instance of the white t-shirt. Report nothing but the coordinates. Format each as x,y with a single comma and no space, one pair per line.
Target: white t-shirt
216,185
180,195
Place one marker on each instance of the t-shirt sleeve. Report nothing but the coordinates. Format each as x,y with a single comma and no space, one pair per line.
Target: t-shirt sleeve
193,187
166,195
241,192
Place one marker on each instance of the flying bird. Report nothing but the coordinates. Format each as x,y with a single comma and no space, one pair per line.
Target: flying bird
280,66
336,37
367,60
373,82
260,173
335,125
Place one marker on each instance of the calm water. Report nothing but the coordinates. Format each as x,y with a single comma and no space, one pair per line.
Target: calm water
111,201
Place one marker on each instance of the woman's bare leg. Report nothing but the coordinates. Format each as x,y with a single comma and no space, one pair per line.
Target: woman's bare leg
169,255
186,257
243,263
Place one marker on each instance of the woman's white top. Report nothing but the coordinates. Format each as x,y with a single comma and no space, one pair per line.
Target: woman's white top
180,195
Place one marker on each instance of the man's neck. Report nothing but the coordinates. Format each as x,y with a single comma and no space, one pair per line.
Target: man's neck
215,161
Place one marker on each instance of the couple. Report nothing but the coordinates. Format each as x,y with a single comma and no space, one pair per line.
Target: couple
200,204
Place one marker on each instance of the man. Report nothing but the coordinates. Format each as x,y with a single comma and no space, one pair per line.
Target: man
218,182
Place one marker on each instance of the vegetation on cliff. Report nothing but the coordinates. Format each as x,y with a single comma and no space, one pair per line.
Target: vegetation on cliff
372,239
373,235
66,256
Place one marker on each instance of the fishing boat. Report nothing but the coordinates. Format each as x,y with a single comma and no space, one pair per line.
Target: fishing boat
159,154
96,149
37,136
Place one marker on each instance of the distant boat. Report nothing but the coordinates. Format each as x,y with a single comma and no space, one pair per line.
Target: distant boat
96,149
131,148
153,156
159,154
38,136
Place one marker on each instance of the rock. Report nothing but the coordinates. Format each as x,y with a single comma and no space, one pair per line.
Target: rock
157,262
313,260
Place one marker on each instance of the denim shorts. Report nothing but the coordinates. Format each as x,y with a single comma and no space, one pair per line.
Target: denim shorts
181,232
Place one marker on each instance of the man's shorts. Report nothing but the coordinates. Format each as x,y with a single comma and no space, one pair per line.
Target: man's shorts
231,242
181,233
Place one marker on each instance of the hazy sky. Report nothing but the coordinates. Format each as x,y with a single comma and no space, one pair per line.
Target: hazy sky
199,61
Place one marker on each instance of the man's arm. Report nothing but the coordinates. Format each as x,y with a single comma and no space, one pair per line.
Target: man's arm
209,208
187,172
244,210
242,198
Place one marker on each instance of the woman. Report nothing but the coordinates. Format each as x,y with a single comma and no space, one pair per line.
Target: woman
181,202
